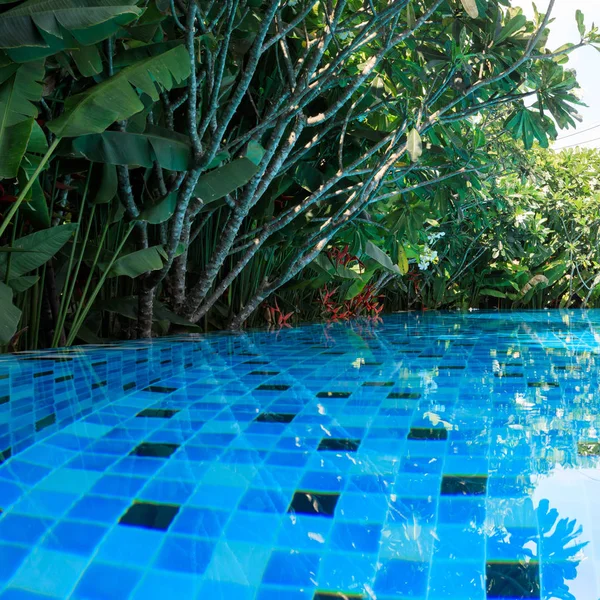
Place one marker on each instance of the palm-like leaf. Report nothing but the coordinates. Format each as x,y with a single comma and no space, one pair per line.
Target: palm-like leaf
19,87
116,98
9,315
44,23
171,150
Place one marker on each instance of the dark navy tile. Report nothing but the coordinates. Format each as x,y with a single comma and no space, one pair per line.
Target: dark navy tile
404,395
312,503
513,580
340,445
433,434
154,450
157,413
273,388
275,418
149,515
160,389
463,485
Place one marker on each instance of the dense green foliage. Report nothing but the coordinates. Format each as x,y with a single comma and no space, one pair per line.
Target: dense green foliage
181,164
530,239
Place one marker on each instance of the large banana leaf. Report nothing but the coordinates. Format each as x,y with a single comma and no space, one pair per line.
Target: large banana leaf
380,257
35,207
171,150
9,314
160,212
224,180
88,60
39,248
21,284
128,57
139,262
322,264
19,87
116,98
45,23
128,307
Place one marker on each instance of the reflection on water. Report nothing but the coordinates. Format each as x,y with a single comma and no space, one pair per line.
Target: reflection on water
428,456
532,413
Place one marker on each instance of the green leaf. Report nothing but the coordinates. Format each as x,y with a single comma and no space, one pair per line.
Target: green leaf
402,261
88,60
13,143
357,286
308,177
133,55
580,22
410,16
160,212
128,307
107,185
470,7
513,25
20,86
20,284
494,293
380,257
116,98
323,264
164,314
39,23
139,262
9,314
38,144
414,145
254,152
35,207
224,180
41,246
171,150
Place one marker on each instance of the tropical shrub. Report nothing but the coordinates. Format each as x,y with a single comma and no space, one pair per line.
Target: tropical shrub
169,164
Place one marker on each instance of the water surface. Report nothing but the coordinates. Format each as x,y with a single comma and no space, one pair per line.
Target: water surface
430,456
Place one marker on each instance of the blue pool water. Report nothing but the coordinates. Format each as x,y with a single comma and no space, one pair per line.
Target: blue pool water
432,456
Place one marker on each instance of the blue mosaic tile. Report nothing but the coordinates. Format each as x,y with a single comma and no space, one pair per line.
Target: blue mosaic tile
434,456
102,580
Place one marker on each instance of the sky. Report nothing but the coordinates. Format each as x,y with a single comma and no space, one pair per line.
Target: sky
586,61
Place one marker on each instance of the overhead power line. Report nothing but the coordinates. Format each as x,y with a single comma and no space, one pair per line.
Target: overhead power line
564,137
579,144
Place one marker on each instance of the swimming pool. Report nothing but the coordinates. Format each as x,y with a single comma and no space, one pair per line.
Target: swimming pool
432,456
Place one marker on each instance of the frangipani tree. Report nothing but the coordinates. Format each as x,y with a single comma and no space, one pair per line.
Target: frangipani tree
189,146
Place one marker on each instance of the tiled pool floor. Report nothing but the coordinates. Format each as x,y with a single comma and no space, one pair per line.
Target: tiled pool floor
435,456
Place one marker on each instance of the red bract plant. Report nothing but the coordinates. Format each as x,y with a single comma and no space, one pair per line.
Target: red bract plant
343,257
415,278
275,316
365,304
4,197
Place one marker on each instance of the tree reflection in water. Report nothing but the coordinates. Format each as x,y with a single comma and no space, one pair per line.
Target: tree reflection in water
515,570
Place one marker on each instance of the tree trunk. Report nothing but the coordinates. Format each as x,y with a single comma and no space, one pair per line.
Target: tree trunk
52,295
179,270
256,300
145,312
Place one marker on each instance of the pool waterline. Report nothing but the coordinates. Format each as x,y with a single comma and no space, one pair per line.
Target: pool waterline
432,456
